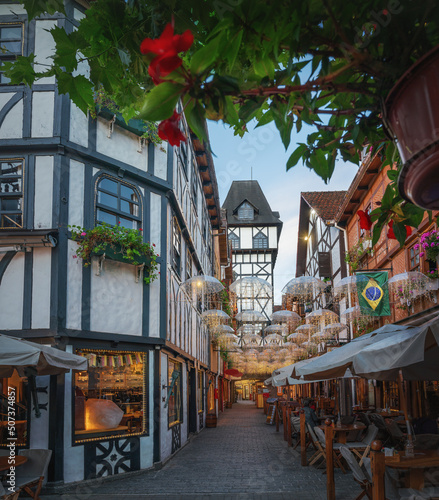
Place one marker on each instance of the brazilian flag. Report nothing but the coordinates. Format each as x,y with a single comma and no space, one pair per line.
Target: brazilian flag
373,293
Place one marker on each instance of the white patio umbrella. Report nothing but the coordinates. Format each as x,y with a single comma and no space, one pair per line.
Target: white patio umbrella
413,352
44,360
334,364
31,359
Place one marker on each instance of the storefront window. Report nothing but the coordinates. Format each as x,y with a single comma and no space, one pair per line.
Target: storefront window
200,402
211,395
175,401
13,403
110,398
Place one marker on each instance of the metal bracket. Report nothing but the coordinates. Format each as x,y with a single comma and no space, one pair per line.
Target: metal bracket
100,264
139,271
111,127
141,144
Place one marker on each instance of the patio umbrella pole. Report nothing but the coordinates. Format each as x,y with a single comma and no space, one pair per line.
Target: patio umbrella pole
405,409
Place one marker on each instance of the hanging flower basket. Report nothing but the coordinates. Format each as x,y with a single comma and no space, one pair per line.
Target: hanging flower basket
116,243
412,116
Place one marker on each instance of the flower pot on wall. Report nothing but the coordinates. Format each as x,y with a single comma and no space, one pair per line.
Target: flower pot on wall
412,115
114,252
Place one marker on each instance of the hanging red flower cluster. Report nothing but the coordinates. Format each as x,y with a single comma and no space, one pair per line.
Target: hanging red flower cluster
391,234
166,49
365,220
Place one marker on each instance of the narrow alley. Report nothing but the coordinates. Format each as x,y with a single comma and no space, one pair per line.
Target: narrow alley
242,458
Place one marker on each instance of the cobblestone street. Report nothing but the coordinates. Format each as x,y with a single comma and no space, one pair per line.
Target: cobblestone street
242,458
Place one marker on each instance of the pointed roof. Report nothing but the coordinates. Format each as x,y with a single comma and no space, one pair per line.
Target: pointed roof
250,191
325,203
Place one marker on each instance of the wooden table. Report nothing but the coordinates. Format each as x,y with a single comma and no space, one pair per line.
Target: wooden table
18,460
343,430
415,466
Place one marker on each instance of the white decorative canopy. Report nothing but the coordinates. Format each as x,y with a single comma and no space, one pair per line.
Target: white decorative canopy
304,288
201,285
251,316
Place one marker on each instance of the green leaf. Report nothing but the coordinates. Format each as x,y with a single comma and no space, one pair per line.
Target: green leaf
65,55
231,115
232,50
296,155
400,232
195,116
205,57
264,67
160,102
21,70
376,232
387,199
36,7
249,109
392,175
79,89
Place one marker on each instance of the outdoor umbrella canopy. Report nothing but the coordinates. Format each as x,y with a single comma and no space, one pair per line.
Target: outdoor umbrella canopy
46,360
334,364
413,353
202,284
285,316
251,316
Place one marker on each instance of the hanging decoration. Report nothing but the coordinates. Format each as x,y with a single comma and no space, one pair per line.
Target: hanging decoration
214,318
407,287
321,317
251,316
304,289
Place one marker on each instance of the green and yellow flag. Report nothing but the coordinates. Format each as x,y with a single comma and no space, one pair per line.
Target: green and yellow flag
373,293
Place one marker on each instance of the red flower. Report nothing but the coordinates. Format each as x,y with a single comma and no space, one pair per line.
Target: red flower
169,130
365,222
166,48
140,229
391,234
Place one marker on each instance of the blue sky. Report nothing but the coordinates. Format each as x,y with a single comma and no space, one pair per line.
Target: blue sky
262,152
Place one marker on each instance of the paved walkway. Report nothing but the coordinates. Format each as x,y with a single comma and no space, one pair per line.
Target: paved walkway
242,458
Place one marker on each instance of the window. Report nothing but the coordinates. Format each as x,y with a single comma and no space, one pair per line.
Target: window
188,264
109,398
260,241
234,240
195,189
11,45
14,403
11,193
175,400
414,258
176,247
200,387
246,212
183,156
117,203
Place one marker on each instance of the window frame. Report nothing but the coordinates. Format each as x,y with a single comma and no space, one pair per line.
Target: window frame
117,212
5,57
260,237
179,381
21,194
235,238
189,264
144,403
176,249
246,206
416,251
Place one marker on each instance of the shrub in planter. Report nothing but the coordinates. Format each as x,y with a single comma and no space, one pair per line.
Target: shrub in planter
429,245
117,243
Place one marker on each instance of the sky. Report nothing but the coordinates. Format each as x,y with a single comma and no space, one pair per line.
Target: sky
260,155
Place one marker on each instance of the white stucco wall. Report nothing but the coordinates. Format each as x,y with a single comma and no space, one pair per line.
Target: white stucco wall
78,132
12,126
42,114
116,305
161,161
43,210
11,294
41,276
44,48
74,288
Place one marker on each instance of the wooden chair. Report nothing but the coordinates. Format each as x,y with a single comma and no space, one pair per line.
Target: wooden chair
4,495
31,474
360,476
362,448
320,453
336,446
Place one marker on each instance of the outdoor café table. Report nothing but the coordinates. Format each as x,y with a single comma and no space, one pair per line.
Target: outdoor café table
5,465
341,431
422,459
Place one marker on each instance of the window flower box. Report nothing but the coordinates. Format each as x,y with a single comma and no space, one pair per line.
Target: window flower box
119,244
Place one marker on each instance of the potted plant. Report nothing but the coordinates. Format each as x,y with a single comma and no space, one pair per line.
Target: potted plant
116,243
356,253
330,64
429,245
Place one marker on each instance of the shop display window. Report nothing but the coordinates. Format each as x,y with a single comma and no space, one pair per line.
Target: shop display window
200,391
175,399
14,410
110,397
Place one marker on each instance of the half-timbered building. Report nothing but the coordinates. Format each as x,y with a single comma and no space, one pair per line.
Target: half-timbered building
253,231
150,359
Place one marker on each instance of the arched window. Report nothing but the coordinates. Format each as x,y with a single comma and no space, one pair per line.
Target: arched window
260,241
235,240
246,212
117,203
